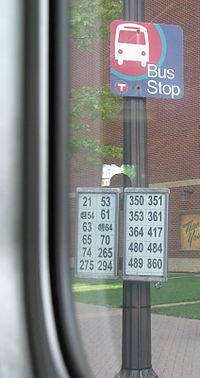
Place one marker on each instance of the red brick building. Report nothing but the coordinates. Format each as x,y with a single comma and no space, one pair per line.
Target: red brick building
173,131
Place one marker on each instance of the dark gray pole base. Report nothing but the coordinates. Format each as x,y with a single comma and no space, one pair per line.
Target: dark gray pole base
145,373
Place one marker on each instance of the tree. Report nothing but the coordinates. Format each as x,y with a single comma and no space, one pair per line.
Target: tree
89,21
99,103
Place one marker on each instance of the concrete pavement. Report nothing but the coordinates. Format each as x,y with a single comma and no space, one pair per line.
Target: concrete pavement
175,343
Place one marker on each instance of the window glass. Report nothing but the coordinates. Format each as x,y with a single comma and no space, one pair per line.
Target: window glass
97,149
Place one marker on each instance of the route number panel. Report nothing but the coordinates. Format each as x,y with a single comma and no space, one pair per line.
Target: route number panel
97,232
146,223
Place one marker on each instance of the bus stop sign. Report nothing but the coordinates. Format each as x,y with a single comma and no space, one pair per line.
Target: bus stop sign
146,60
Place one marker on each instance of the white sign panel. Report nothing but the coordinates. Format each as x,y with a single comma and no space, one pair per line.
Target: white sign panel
97,232
146,220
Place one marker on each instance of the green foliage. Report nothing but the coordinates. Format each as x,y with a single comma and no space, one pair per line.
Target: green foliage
92,104
90,19
99,103
93,149
130,171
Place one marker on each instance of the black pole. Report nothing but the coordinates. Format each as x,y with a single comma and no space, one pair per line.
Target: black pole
136,332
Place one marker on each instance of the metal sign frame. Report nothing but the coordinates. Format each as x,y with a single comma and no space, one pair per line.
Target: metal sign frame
96,214
144,193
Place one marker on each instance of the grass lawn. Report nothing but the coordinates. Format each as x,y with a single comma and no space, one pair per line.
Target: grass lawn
190,311
102,293
179,288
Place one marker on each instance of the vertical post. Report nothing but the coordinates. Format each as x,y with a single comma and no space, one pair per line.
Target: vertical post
136,332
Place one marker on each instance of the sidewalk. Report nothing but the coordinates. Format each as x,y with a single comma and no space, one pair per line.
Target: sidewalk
175,343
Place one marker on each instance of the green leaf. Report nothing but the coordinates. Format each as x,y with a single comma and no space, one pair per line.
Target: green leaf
90,20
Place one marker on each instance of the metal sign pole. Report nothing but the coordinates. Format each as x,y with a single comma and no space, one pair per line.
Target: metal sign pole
136,335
